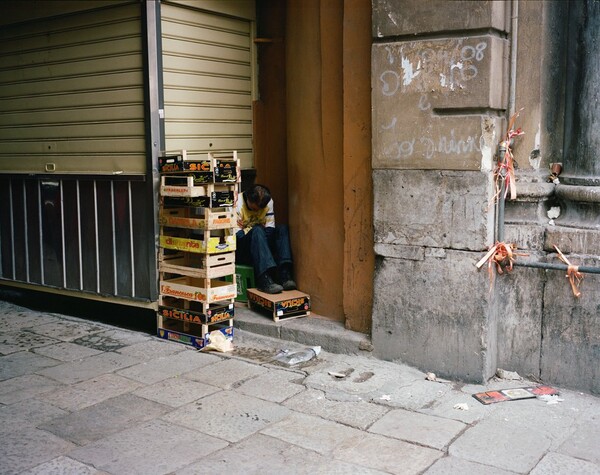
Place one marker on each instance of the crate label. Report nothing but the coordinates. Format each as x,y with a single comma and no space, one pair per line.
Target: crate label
258,300
293,305
190,316
182,292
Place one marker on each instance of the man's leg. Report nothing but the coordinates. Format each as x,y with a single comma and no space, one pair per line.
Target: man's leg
283,253
262,260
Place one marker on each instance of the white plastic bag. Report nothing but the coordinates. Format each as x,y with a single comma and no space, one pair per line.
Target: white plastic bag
297,357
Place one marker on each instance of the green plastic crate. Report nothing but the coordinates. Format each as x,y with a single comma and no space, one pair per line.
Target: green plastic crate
244,277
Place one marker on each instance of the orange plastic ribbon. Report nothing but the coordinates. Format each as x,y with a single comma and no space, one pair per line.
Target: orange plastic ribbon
507,163
575,277
501,257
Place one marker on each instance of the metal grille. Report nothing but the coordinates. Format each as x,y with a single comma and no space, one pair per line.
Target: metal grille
76,234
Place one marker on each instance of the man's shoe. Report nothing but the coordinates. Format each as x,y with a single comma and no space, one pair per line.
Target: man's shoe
286,278
289,284
266,285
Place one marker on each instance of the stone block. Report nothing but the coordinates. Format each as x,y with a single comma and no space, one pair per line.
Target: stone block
152,447
519,299
527,237
434,314
431,431
422,95
409,17
104,419
553,463
571,331
358,414
228,415
571,240
425,208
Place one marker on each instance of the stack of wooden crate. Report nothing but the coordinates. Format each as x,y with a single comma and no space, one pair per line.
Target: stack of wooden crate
197,247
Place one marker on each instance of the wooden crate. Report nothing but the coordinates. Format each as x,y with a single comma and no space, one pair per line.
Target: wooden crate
195,312
197,218
283,306
179,163
207,244
173,185
226,167
210,266
191,334
197,289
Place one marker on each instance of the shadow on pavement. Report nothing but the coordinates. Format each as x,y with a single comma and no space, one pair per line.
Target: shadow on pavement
124,316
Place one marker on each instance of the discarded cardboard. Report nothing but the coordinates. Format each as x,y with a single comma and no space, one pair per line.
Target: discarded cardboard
513,394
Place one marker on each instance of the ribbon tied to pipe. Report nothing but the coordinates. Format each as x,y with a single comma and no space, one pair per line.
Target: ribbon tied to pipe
575,277
501,257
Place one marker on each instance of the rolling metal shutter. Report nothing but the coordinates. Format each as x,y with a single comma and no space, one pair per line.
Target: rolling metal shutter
208,76
74,213
71,94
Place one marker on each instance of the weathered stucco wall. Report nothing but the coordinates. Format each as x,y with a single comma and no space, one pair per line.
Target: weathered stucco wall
315,150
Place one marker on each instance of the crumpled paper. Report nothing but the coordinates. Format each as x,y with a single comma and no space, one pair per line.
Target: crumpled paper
218,342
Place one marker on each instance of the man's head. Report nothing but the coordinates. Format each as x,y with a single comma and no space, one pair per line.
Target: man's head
257,197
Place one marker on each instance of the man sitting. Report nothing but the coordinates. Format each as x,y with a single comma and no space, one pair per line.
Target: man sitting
262,244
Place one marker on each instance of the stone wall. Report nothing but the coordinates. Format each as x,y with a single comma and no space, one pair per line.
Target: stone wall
445,77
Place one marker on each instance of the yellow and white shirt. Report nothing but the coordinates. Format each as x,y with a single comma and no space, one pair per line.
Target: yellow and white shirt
247,219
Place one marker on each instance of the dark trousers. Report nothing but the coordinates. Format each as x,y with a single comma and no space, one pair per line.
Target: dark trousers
264,248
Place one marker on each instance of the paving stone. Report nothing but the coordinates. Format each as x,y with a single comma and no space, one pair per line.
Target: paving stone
584,443
26,387
128,337
151,349
388,455
11,342
62,466
453,466
90,392
165,367
65,330
100,342
444,407
228,415
226,373
23,362
111,339
65,351
554,464
27,413
364,375
263,455
23,319
29,447
103,419
176,392
76,371
426,430
312,433
155,447
360,414
516,435
414,395
275,385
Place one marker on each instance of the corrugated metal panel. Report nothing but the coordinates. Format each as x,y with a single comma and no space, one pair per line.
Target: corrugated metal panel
71,94
208,75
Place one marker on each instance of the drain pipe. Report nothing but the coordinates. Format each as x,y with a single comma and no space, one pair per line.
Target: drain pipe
511,111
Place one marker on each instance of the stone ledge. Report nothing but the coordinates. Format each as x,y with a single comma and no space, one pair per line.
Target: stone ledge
313,330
